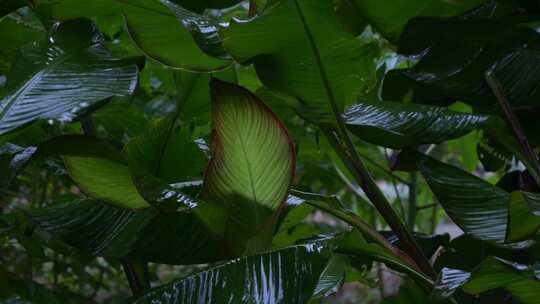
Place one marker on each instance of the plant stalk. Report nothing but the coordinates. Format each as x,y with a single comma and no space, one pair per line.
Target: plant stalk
372,191
411,219
136,274
513,121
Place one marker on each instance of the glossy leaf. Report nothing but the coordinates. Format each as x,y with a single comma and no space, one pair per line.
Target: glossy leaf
374,252
149,23
390,17
443,77
494,273
63,77
99,229
332,277
253,159
286,275
475,205
523,216
146,22
448,281
105,177
398,125
327,66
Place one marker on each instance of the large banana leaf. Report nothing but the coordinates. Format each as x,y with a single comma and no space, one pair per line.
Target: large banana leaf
62,77
390,17
287,275
398,125
150,23
475,205
98,229
482,210
253,161
299,48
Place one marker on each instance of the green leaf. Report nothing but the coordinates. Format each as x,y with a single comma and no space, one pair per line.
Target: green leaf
398,125
14,34
166,153
375,252
253,160
326,68
523,216
332,277
99,229
448,281
104,177
63,77
390,17
476,206
150,23
287,275
494,273
454,55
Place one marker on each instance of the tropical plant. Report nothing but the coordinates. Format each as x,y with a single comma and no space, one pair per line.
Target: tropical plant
269,151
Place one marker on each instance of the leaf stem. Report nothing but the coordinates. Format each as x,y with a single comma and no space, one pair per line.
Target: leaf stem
137,280
366,182
513,121
318,201
359,170
411,219
87,125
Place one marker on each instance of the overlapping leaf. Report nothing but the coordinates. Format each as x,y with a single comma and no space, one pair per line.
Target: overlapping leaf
523,216
150,23
99,229
483,210
443,76
63,77
253,160
104,175
287,275
398,125
390,17
299,48
492,273
475,205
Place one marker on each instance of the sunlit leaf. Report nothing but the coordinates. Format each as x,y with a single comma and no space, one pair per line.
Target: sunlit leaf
253,160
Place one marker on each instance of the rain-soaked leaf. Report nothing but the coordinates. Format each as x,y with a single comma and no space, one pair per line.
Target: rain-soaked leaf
398,125
62,77
287,275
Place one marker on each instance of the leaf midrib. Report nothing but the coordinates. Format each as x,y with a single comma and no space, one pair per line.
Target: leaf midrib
42,73
319,62
250,175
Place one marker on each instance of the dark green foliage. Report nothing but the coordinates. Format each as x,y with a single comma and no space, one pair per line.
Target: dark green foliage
269,151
